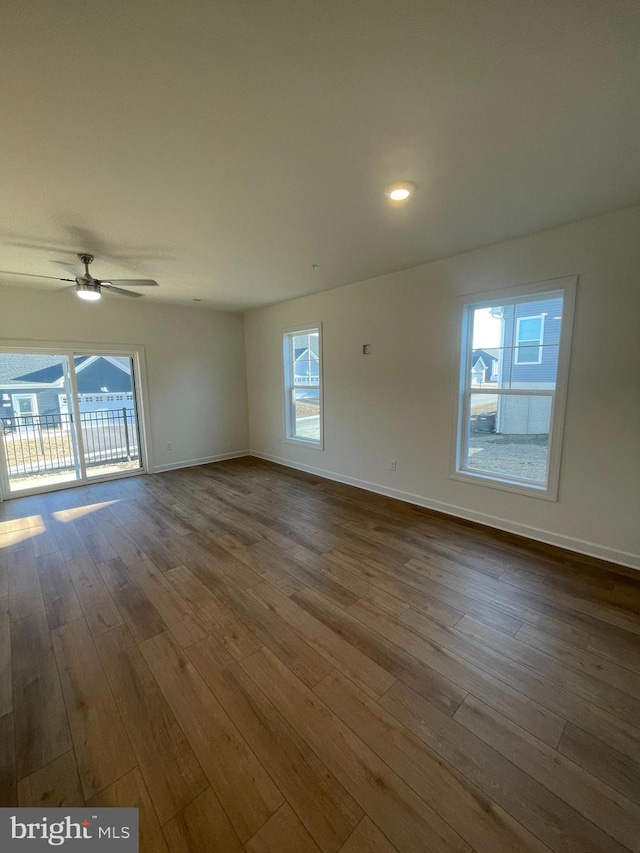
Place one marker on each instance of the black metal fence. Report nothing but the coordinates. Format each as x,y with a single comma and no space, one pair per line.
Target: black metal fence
35,444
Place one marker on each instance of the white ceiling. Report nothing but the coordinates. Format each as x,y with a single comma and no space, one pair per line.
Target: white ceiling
224,146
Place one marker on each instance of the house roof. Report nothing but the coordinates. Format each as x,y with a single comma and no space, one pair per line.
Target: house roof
48,368
49,374
306,355
490,353
16,367
244,142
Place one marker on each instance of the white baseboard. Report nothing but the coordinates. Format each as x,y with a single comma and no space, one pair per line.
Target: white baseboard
581,546
189,463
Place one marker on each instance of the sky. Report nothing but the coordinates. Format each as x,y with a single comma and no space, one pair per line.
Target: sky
486,329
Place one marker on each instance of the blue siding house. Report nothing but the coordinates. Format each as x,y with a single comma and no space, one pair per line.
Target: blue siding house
104,384
484,366
306,366
528,361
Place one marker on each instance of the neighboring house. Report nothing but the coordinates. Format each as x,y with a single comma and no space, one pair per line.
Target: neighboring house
306,359
484,366
528,361
23,398
104,384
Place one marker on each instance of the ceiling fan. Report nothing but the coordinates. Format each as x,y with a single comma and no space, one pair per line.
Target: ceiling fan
89,288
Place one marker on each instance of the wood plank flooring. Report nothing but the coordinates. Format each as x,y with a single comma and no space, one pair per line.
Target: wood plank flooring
264,661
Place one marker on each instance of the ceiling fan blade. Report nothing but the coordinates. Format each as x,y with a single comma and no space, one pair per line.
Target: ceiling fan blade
120,290
35,275
132,282
70,268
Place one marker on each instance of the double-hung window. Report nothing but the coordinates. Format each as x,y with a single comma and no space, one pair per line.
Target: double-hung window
529,337
510,423
302,350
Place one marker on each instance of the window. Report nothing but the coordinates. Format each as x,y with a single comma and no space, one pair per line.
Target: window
24,406
303,385
510,423
529,331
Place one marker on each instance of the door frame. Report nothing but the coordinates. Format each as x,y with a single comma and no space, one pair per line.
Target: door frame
141,398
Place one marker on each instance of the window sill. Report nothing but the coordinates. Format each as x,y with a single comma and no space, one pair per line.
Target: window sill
301,442
546,493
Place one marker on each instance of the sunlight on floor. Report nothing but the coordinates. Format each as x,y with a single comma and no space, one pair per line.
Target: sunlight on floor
65,515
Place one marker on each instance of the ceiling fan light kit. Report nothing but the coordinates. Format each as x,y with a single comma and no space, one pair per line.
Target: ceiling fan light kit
88,292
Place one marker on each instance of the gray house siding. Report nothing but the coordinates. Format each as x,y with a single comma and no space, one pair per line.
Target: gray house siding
534,376
46,400
529,415
102,374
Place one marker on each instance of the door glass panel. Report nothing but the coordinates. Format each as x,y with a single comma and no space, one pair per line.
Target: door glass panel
38,437
108,414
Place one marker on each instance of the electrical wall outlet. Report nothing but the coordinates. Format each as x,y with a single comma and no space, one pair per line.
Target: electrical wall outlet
392,465
169,445
366,349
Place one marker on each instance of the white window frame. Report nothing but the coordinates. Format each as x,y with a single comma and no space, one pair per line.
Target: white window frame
518,341
566,287
291,386
22,396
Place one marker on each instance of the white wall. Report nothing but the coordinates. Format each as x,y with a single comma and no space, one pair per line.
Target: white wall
399,402
195,363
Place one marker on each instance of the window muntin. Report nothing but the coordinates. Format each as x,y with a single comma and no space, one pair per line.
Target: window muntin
302,350
509,413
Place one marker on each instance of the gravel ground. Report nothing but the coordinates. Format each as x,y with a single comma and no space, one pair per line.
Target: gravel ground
521,456
307,410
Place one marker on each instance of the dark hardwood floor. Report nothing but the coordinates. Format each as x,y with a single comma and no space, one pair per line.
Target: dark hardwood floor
265,661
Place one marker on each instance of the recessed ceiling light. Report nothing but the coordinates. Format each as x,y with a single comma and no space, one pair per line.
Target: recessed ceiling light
400,192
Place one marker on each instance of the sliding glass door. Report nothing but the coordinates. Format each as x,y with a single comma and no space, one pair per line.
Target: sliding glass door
107,414
67,418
